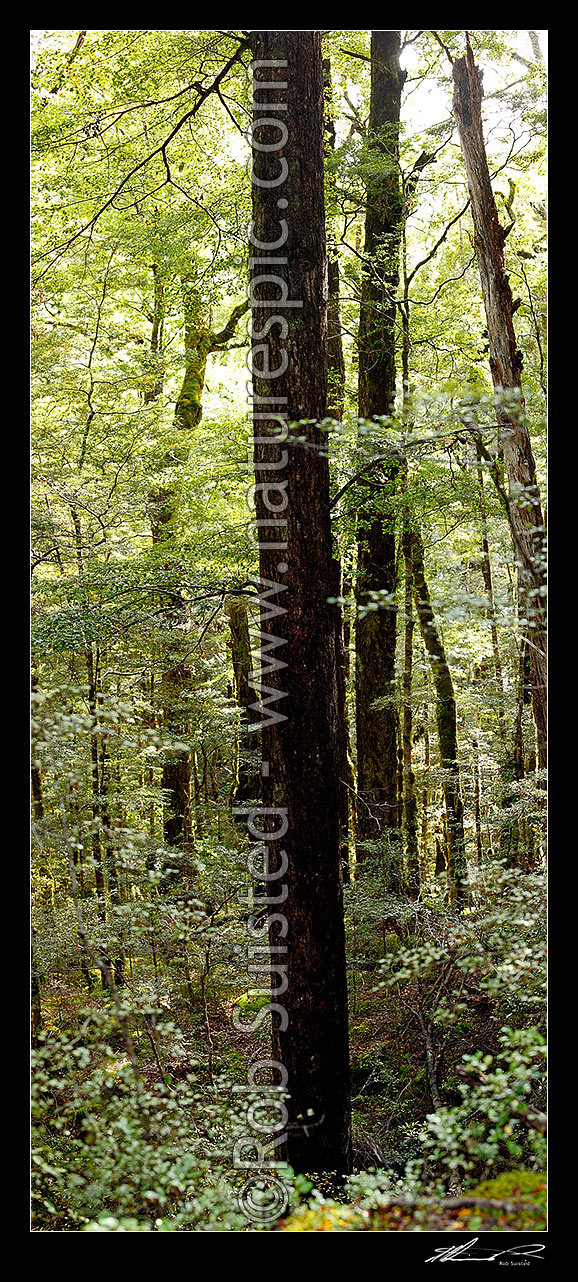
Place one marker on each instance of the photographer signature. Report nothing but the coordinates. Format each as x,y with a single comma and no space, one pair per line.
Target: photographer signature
469,1251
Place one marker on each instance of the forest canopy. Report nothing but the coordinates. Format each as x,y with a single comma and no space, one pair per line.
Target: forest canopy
288,630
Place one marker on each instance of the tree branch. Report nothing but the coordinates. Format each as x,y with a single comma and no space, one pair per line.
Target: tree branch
218,340
61,248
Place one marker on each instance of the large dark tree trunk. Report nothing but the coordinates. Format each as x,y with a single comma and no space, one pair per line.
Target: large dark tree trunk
301,759
376,632
526,520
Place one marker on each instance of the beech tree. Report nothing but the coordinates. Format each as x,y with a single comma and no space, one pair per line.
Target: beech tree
301,752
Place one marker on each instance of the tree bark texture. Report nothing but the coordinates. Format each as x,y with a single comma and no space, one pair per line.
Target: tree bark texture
301,753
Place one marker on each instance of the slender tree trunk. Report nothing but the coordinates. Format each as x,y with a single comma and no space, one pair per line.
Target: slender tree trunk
92,669
77,860
301,748
37,791
440,865
36,1004
347,593
104,803
175,684
409,792
489,589
425,792
107,838
508,835
47,885
154,380
523,696
248,778
477,794
446,723
38,812
526,519
376,633
92,663
446,718
197,801
346,776
525,851
335,407
176,777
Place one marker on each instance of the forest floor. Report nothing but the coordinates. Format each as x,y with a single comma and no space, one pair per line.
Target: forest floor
390,1096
